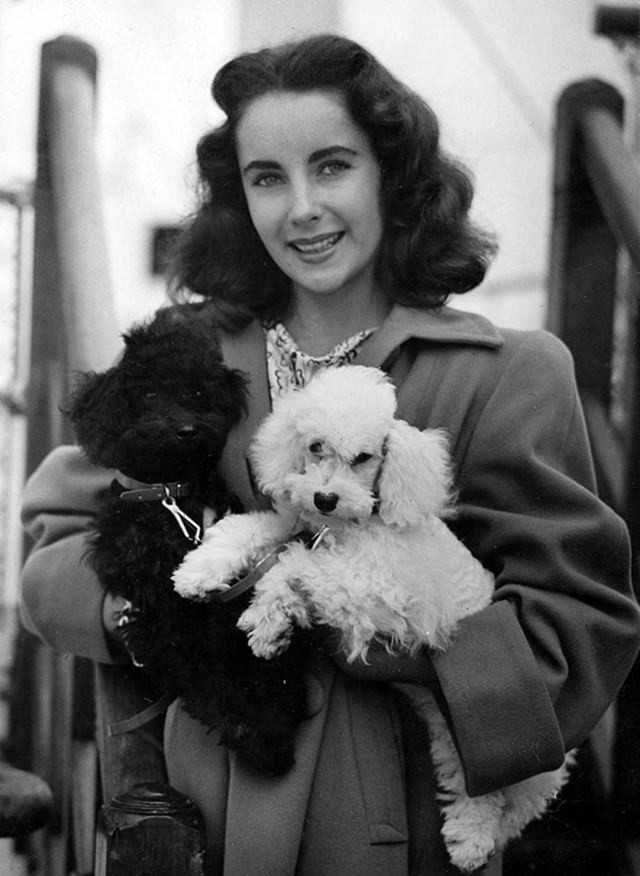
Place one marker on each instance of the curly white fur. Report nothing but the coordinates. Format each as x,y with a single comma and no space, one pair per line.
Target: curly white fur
389,569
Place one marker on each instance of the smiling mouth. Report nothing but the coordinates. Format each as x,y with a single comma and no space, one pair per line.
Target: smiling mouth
316,245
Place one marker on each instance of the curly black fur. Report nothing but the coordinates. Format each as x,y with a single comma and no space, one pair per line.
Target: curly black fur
161,415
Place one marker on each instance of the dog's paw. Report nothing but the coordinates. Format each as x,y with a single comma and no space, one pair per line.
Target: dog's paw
269,634
200,574
268,649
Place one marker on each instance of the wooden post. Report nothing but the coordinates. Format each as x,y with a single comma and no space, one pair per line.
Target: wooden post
134,756
597,217
74,321
584,250
593,305
73,327
151,830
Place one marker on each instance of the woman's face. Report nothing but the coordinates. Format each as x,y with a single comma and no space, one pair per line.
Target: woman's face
312,185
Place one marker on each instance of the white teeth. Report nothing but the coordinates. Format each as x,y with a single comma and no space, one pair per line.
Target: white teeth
317,246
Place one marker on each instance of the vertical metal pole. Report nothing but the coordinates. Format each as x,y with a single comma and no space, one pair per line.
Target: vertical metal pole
16,393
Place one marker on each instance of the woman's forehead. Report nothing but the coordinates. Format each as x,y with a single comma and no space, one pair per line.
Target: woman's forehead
280,123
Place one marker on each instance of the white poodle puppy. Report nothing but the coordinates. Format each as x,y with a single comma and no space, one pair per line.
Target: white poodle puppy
384,566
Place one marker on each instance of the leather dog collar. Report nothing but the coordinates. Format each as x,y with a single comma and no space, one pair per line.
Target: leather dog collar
138,491
166,494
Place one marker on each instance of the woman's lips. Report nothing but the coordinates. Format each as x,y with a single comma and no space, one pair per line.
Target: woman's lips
316,245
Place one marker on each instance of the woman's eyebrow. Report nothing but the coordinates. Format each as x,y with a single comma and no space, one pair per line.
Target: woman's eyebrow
261,165
328,151
317,155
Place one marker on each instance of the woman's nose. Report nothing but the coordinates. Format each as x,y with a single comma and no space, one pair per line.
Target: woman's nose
304,204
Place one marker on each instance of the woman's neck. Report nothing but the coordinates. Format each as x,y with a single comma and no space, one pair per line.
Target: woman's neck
318,323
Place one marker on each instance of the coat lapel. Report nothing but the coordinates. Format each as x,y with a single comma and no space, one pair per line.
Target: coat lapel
246,351
272,811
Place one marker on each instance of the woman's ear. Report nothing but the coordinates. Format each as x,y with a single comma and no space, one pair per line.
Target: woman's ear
276,451
415,481
97,408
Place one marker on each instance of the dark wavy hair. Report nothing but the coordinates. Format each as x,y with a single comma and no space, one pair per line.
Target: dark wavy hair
430,247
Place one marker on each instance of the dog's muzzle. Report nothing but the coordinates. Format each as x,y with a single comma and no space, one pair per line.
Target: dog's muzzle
186,433
325,502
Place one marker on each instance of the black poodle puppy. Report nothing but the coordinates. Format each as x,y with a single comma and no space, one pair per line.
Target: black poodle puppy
160,417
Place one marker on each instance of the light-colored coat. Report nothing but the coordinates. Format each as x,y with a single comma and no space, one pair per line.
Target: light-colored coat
525,679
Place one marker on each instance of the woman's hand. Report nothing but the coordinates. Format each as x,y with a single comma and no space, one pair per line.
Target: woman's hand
117,615
380,665
112,607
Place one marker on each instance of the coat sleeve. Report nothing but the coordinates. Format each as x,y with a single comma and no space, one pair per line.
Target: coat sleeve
530,676
61,597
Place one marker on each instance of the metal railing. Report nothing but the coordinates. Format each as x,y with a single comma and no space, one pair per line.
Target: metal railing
594,286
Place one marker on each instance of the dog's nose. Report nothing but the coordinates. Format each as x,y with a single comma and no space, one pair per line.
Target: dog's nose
325,502
186,432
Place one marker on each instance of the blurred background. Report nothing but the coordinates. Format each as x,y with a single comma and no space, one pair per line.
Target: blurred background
491,69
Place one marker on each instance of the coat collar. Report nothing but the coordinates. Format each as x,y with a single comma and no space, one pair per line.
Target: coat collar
446,325
246,351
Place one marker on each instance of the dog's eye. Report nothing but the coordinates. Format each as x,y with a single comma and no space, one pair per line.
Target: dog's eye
315,448
361,458
189,394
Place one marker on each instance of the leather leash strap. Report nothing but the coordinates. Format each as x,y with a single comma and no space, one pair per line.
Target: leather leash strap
309,539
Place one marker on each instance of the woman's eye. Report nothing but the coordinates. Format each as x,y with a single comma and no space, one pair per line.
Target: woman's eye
316,448
333,168
266,180
361,458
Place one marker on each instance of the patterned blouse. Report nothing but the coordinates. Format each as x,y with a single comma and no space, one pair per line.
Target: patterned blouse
288,367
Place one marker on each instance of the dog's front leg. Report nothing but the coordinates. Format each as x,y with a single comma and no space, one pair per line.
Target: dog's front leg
278,605
229,549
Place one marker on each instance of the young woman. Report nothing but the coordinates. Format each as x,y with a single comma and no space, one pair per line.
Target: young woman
332,228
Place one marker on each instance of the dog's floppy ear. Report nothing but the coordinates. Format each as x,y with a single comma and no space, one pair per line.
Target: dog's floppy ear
97,408
415,480
275,451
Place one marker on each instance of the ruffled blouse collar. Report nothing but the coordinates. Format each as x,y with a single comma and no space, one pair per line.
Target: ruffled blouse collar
288,367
